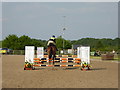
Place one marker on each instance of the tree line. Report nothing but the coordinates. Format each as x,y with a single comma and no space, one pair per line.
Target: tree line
18,43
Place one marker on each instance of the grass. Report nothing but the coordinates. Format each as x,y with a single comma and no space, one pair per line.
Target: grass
95,57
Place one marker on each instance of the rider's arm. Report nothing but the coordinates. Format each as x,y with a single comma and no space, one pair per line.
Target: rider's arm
55,40
48,43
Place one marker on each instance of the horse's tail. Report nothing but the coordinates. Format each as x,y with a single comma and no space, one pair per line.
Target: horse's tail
54,52
51,50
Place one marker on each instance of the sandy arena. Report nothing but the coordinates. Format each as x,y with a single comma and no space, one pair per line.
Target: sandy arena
104,74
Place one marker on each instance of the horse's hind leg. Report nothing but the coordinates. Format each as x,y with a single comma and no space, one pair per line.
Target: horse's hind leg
53,59
50,56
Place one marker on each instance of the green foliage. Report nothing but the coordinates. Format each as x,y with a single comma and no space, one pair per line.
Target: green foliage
68,44
99,44
59,43
11,42
19,43
0,44
23,41
15,43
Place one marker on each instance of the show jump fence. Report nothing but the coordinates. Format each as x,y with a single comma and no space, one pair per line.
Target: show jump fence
82,60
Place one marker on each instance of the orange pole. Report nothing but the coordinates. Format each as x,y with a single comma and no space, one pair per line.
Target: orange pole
36,58
50,65
77,66
63,65
64,59
77,59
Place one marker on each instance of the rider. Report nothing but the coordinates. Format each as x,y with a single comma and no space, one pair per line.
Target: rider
52,42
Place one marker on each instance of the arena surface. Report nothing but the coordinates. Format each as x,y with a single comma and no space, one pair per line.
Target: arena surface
104,74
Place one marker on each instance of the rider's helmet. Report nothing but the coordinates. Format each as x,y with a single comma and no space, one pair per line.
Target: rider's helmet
53,36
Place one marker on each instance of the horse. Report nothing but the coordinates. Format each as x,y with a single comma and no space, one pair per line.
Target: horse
51,50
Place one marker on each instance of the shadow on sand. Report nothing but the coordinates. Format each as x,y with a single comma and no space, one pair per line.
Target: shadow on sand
92,69
98,69
39,68
54,68
70,68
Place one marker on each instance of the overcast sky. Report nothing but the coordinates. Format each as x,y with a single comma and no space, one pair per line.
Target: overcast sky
41,20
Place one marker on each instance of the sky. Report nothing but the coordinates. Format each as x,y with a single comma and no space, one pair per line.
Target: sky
41,20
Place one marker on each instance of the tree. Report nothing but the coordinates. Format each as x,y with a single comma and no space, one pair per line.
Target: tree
37,43
99,45
0,44
24,41
68,44
19,43
10,42
59,42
